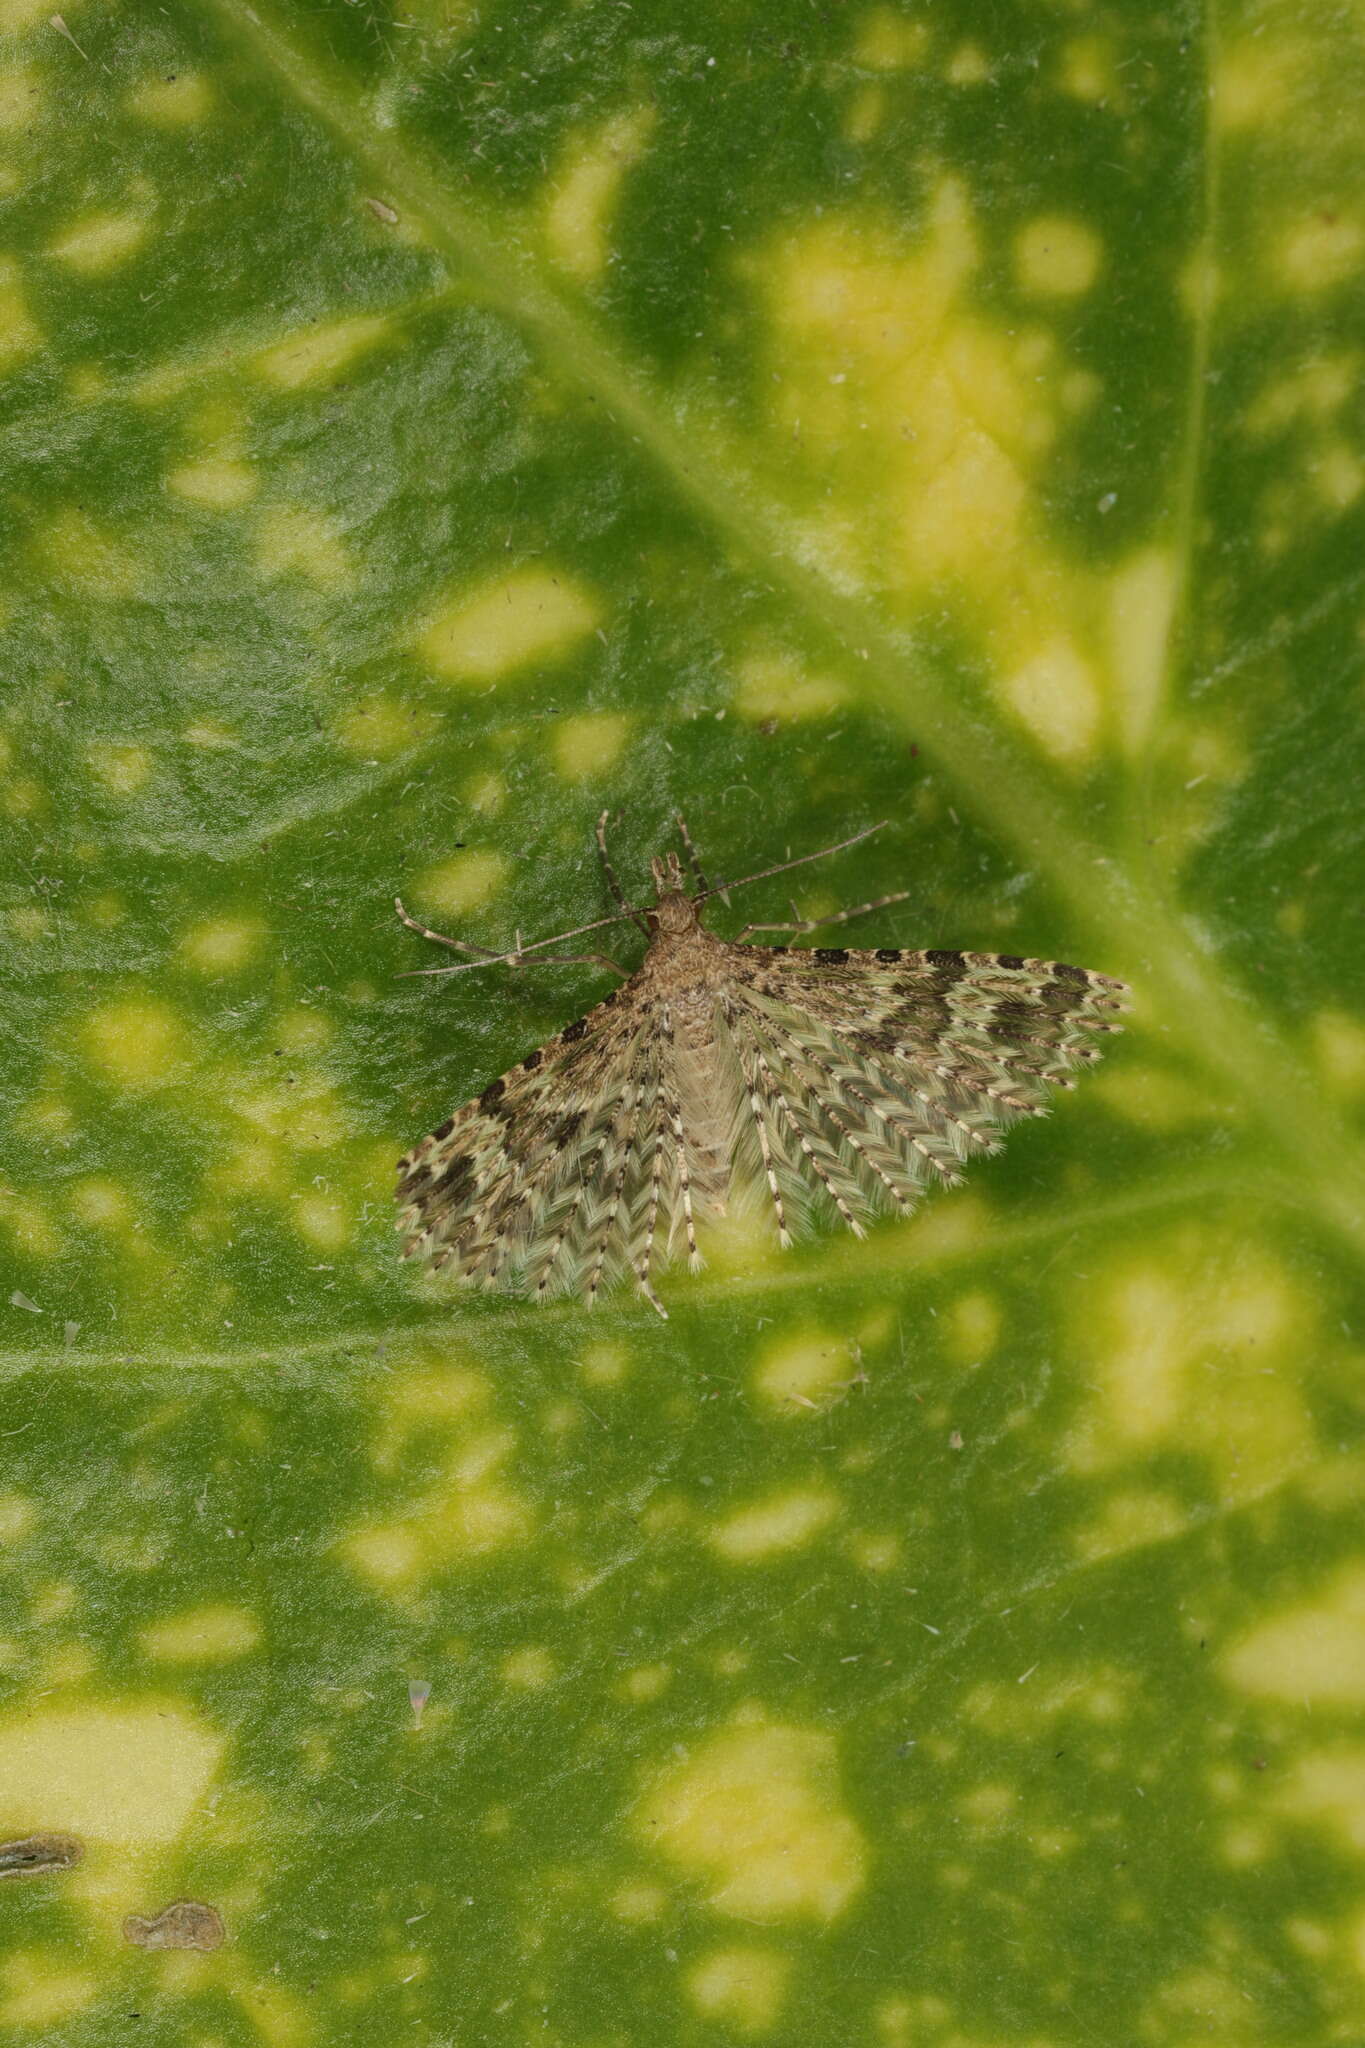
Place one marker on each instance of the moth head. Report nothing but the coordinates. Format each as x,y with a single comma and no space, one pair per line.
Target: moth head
673,911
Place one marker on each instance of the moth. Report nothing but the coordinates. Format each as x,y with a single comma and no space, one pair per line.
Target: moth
819,1082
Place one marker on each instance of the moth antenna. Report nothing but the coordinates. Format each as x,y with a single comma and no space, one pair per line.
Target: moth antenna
783,866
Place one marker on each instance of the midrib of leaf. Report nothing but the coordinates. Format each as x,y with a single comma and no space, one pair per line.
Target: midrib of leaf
1136,922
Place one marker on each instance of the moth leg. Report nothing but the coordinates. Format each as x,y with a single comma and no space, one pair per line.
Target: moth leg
612,882
694,860
814,924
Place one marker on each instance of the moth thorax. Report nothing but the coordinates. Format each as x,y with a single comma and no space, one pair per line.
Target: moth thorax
674,912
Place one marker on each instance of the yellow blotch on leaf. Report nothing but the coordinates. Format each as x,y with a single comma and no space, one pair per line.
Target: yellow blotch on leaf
753,1814
122,770
968,65
102,1204
583,193
529,1669
20,334
1056,258
176,102
217,482
317,355
1328,1786
1338,1041
742,1988
1320,251
125,1774
798,1373
886,41
1056,695
222,945
381,727
81,557
1197,1351
1142,599
292,540
533,614
324,1220
100,242
775,686
1087,69
40,1988
463,883
17,1517
773,1527
589,745
136,1042
971,1328
21,97
203,1635
1311,1653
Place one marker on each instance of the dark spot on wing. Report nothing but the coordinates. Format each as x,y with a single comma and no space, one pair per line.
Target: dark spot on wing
608,999
493,1094
532,1061
446,1128
1072,974
1009,960
889,954
831,956
569,1127
947,962
573,1032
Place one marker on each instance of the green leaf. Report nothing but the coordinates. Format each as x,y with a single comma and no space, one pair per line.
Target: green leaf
423,429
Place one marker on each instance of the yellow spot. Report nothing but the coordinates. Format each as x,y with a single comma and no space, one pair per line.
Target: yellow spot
20,97
100,242
1251,83
463,883
171,102
382,727
101,1204
875,1553
471,1512
967,66
988,1805
753,1813
294,541
485,793
121,770
604,1365
865,113
1141,605
1056,258
81,558
772,1528
590,745
324,1220
1311,1654
796,1374
1328,1786
17,1516
584,192
137,1042
52,1602
1198,1353
222,945
971,1328
1130,1521
205,1635
637,1904
317,355
1339,1049
528,1669
741,1988
1319,252
532,615
1339,476
645,1683
128,1775
302,1031
41,1988
1087,69
887,42
216,482
1054,694
210,733
774,686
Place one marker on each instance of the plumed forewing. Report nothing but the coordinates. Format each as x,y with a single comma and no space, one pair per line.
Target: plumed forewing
873,1074
478,1194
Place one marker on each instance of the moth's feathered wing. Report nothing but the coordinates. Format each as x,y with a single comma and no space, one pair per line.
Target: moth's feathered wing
829,1080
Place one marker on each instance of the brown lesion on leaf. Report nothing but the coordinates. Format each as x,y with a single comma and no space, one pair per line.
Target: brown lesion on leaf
187,1923
35,1855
